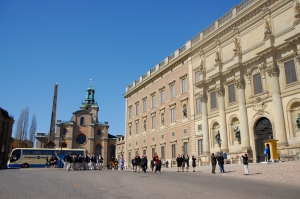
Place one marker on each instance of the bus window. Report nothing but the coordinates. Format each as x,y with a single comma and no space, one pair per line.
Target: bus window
26,152
47,152
15,155
36,152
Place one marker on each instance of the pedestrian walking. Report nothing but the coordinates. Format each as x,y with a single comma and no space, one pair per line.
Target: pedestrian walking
193,163
122,164
132,164
213,160
245,163
187,163
182,163
137,163
178,160
220,159
158,166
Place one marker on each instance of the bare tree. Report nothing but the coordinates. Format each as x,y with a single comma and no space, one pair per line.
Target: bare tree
32,130
22,125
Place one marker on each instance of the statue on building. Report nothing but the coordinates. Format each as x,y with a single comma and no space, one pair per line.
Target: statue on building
268,31
297,10
217,137
162,119
298,121
237,133
217,57
237,47
184,111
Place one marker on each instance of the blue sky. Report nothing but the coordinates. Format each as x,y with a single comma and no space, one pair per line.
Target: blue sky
113,42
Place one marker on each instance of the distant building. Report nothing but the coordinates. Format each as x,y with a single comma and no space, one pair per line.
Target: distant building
84,131
6,126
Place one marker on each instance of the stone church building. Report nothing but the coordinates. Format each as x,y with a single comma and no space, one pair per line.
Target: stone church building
233,85
85,131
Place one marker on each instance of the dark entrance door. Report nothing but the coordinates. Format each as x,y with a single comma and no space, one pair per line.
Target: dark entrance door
263,131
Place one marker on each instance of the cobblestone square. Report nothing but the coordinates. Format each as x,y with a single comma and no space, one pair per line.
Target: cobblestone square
280,180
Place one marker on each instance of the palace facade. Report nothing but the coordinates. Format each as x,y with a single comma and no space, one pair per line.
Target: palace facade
233,85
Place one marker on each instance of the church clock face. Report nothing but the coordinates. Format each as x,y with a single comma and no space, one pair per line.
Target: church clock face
81,139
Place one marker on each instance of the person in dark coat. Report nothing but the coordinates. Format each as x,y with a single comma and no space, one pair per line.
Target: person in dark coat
182,163
213,160
152,164
137,163
245,163
116,164
187,163
179,162
133,164
158,166
220,159
193,163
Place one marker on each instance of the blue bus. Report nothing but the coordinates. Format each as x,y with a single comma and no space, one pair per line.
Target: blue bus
37,157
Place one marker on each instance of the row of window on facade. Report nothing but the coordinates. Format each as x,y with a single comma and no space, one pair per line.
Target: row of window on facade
290,74
162,97
161,153
162,120
65,131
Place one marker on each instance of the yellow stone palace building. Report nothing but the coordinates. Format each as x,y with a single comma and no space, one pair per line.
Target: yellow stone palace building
233,85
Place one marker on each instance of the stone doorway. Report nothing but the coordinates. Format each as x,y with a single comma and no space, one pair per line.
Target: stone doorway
263,131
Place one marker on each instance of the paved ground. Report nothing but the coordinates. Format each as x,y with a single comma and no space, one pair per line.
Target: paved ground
279,180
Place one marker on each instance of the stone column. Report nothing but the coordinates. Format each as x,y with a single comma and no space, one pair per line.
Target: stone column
279,125
244,128
91,138
223,129
205,129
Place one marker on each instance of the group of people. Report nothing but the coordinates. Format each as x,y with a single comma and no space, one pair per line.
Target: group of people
183,162
141,163
82,162
52,163
220,160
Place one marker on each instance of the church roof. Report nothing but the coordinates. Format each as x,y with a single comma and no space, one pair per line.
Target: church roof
111,136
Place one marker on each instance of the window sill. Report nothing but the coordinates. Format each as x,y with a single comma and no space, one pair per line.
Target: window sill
260,94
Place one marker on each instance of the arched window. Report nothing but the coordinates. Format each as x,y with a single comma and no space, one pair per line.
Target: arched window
64,131
82,121
112,152
98,149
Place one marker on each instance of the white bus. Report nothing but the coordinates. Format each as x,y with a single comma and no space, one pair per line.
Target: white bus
36,157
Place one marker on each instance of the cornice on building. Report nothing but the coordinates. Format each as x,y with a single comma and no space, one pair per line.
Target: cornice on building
236,13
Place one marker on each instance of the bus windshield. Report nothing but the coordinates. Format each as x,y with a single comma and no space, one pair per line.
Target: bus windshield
15,155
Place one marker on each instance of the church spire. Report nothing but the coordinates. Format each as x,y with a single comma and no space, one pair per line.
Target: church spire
89,98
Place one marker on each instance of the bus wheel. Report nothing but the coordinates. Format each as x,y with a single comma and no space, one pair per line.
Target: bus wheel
25,165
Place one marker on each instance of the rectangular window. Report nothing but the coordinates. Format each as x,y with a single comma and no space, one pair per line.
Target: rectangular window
200,147
290,72
153,122
153,152
257,84
183,84
136,127
129,129
144,105
153,101
163,152
185,148
200,127
173,115
231,93
198,106
162,96
172,90
213,100
197,77
136,109
136,153
130,112
144,152
173,134
173,151
184,131
162,137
